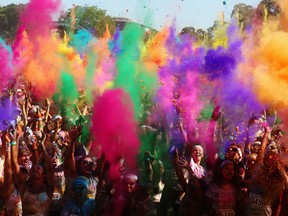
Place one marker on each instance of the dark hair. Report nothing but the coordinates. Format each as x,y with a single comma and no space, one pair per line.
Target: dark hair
78,163
217,174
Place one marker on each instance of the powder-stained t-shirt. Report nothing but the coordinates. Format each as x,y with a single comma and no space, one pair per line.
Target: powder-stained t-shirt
71,208
257,205
224,199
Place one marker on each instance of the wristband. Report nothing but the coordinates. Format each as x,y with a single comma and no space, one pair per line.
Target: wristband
13,143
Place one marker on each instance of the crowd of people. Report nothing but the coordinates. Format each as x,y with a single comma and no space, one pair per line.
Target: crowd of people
48,168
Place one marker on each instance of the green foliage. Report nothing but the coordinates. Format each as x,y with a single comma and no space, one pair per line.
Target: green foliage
198,34
243,14
88,17
9,21
270,6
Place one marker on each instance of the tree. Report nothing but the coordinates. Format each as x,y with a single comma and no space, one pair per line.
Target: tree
89,17
9,20
268,8
243,14
198,34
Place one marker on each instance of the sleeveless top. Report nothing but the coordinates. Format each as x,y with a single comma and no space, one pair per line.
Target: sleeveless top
35,204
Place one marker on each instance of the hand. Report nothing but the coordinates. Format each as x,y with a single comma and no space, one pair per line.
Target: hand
216,113
183,162
75,132
7,137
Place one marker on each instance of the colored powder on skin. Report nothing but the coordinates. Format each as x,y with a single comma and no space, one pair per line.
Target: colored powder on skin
127,62
115,129
6,63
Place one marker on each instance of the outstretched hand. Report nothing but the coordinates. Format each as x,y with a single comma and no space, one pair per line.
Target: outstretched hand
183,162
75,132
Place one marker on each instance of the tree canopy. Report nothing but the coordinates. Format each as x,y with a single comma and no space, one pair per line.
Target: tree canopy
88,17
9,20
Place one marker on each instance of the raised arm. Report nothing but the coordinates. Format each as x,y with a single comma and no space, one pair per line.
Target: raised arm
178,170
74,133
264,142
48,104
49,168
8,180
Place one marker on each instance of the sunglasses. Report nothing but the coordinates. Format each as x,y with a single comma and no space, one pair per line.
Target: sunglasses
234,150
79,189
88,163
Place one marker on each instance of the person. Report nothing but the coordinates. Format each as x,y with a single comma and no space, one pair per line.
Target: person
194,184
173,191
59,178
35,194
221,194
268,181
79,203
12,196
82,167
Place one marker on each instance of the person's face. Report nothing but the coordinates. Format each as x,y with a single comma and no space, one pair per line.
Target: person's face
58,123
197,154
24,159
255,149
80,191
56,160
233,154
129,185
59,141
251,163
86,166
228,172
36,172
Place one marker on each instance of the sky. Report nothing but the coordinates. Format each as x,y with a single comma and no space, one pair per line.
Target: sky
159,13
